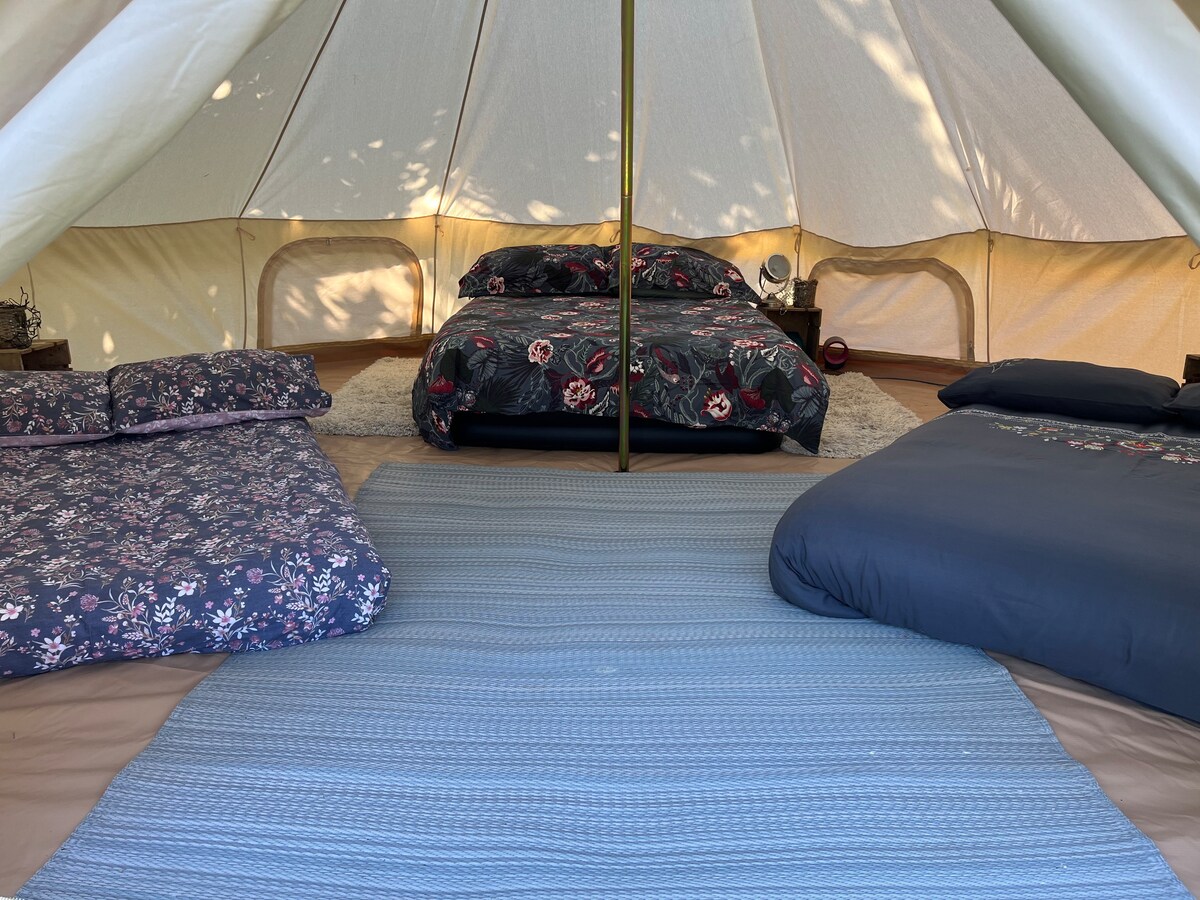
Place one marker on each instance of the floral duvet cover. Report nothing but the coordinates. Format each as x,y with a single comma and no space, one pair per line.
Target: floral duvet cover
700,362
233,538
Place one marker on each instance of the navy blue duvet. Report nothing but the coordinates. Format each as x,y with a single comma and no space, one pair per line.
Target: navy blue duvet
1068,542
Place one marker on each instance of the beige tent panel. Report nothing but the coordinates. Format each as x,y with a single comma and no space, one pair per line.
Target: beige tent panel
906,324
122,294
263,239
919,307
1131,304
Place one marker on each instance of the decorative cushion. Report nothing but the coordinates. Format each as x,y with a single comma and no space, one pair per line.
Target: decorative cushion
682,272
1186,404
1067,388
39,409
539,269
200,390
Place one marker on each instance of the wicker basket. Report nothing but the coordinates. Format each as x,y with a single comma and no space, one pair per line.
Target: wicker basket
804,293
19,323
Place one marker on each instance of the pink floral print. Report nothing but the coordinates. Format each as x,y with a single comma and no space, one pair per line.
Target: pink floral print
228,539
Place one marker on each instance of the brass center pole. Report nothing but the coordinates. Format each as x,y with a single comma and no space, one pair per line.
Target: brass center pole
626,257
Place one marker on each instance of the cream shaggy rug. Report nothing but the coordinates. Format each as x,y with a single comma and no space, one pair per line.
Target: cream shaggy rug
378,400
861,418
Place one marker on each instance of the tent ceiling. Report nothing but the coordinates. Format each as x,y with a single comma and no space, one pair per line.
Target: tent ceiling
869,150
371,135
109,109
876,122
210,167
536,144
1135,69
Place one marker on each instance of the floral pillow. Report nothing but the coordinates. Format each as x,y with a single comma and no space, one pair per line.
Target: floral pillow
683,272
39,409
539,269
200,390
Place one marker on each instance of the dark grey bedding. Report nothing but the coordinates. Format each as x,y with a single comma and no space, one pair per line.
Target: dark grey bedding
1068,542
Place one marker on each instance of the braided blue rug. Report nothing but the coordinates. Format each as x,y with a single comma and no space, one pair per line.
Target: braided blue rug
584,687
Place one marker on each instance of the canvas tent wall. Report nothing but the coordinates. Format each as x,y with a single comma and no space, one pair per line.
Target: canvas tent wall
190,149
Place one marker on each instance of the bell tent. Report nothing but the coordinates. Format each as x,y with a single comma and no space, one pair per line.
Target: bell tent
967,179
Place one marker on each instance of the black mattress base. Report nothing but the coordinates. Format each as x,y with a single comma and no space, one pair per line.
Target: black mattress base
572,431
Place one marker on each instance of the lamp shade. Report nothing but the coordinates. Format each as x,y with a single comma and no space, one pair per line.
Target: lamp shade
776,268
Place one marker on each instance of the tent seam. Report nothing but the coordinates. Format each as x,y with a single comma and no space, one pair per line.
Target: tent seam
970,172
267,166
462,109
791,165
292,111
669,234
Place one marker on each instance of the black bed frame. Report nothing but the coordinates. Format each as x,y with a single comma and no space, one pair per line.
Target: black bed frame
572,431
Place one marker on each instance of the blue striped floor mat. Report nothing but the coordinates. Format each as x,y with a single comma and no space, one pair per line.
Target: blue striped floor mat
584,687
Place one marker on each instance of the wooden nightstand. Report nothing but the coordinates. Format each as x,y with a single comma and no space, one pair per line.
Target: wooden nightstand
42,355
1191,368
802,325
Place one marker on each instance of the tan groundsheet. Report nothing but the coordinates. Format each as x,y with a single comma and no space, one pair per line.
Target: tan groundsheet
65,735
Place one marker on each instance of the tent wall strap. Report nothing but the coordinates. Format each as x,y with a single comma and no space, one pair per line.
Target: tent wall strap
987,299
242,234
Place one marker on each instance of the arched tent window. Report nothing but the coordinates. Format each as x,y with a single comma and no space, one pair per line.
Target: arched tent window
339,290
920,307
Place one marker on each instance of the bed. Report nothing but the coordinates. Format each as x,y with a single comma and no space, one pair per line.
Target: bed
232,538
538,353
1061,539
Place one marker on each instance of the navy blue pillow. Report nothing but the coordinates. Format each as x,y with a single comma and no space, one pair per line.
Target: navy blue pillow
1066,388
1186,404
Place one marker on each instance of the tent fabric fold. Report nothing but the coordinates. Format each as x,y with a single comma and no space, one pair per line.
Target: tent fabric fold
1134,69
113,106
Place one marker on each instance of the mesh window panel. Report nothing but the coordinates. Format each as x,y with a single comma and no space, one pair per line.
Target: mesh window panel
877,305
339,289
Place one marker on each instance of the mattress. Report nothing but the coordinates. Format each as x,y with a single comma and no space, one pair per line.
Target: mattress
220,540
700,363
1067,542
